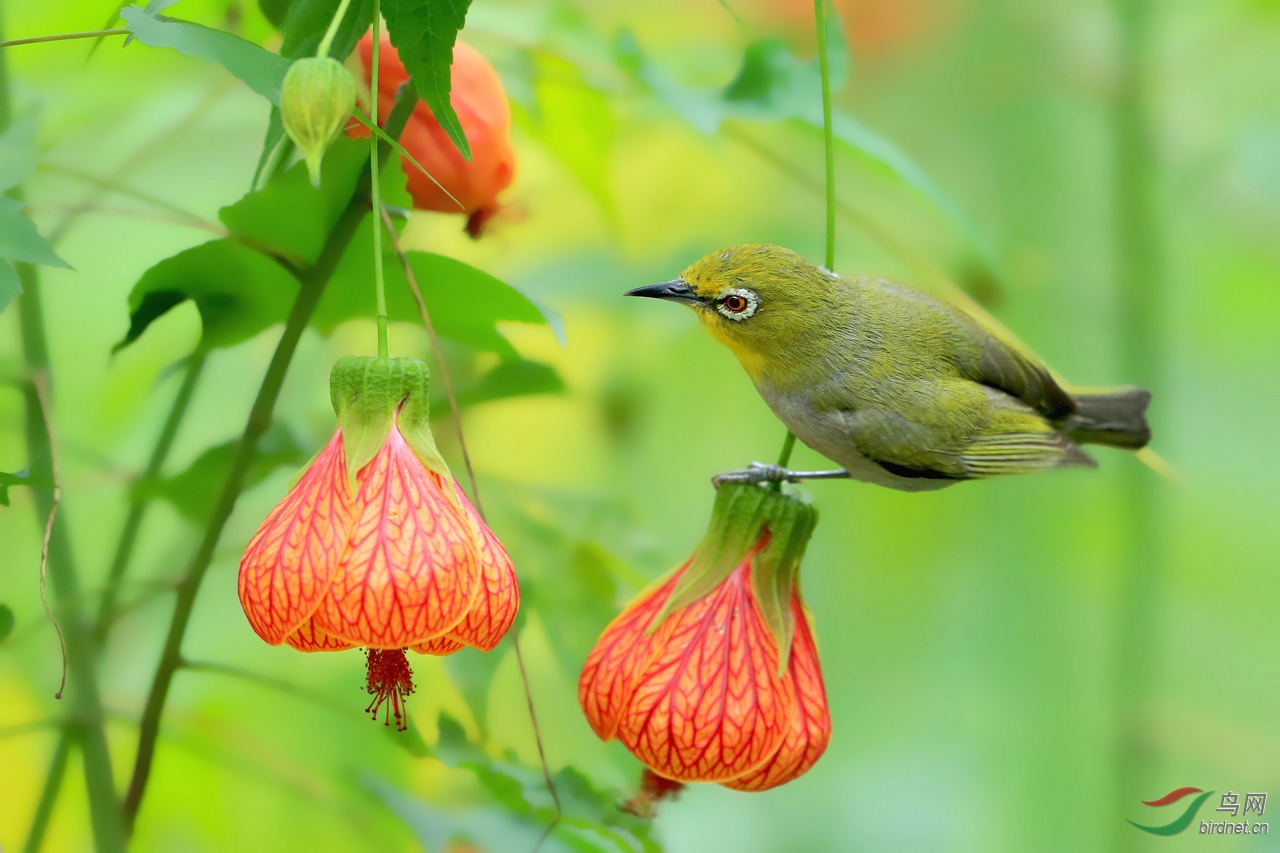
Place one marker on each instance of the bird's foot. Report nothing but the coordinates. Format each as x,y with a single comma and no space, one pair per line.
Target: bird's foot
758,472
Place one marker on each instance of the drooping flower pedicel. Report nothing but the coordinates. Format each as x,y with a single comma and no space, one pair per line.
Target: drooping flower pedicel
376,545
711,675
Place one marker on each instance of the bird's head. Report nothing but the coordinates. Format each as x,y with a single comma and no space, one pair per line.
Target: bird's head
758,300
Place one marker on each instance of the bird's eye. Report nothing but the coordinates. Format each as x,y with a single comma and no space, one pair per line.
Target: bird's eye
738,304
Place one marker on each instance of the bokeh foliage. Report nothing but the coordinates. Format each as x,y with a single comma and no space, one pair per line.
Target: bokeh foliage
968,638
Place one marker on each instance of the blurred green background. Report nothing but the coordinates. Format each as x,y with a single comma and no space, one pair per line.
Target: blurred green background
1011,665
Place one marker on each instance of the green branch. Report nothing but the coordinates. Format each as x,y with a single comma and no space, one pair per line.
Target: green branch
313,282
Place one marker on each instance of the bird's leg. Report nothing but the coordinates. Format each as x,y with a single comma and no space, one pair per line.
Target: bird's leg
758,472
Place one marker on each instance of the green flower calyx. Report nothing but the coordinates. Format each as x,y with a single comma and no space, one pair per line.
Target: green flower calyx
369,394
742,517
316,99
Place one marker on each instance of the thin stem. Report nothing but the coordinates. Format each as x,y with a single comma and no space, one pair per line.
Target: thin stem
537,738
475,497
313,282
137,504
85,721
64,37
828,134
379,286
327,42
412,277
49,795
829,144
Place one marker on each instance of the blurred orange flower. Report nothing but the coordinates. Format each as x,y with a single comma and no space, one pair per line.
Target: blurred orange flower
712,675
479,100
400,560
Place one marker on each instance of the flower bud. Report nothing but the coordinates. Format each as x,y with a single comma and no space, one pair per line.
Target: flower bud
315,100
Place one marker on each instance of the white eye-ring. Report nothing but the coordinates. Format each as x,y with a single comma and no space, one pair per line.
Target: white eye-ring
737,304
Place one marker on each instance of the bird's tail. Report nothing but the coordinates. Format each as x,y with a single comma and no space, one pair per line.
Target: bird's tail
1116,418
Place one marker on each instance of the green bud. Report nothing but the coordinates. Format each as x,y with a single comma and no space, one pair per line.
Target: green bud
317,97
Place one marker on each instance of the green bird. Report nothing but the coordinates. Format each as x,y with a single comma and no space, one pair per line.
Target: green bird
897,387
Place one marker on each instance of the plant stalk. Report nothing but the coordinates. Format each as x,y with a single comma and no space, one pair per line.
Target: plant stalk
1139,311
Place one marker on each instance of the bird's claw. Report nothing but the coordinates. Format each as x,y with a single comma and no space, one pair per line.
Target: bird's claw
758,472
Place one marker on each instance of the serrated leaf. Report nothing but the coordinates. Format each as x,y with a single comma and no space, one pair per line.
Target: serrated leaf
238,291
19,239
6,621
193,491
10,285
423,32
260,69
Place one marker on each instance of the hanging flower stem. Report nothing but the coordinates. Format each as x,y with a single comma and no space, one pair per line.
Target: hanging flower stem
313,282
379,285
327,42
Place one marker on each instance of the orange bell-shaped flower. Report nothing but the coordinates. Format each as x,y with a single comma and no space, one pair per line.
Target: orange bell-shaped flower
396,559
712,674
480,102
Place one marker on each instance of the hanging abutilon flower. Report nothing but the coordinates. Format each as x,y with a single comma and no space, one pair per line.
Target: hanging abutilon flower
376,545
712,675
480,102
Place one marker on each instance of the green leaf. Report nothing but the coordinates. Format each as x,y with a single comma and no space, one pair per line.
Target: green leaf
260,69
10,284
423,33
292,218
516,378
238,291
193,491
275,11
18,151
19,239
465,303
6,621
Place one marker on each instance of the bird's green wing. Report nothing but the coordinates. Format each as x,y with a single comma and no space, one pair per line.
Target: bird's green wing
1018,440
999,365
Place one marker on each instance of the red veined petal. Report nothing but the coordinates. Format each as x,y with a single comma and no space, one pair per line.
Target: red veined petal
311,638
290,562
411,571
619,659
710,706
439,646
499,599
809,721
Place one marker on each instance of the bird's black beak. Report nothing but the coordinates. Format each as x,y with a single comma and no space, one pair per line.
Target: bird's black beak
674,291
